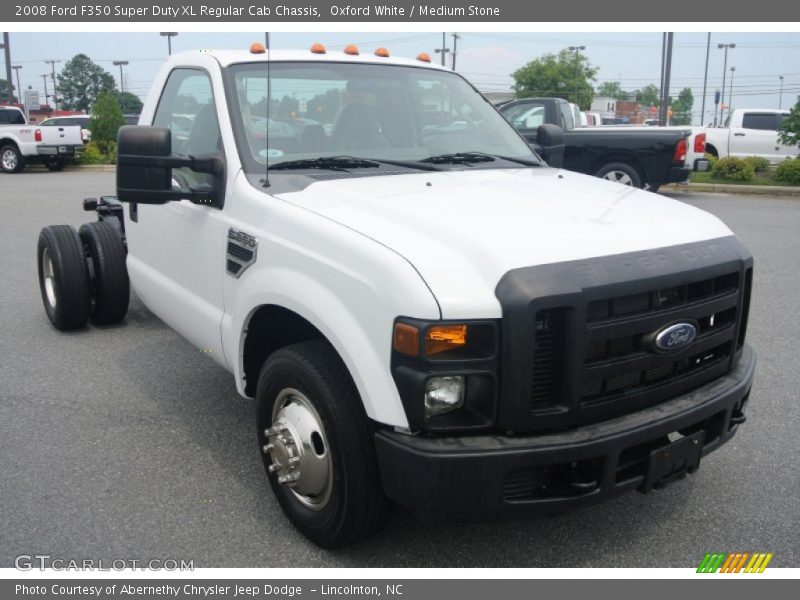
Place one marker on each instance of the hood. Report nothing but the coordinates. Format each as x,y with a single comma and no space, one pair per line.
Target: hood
463,230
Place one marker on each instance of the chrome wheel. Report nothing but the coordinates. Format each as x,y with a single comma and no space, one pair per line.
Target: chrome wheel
9,159
298,449
619,177
49,278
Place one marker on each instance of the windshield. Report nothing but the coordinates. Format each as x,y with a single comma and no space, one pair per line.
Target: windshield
376,112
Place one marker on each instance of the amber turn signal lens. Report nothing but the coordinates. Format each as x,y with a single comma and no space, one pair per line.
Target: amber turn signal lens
257,48
317,49
442,338
406,339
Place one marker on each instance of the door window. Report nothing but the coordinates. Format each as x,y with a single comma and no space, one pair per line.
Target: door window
764,121
188,110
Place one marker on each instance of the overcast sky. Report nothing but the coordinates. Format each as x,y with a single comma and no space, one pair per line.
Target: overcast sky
487,59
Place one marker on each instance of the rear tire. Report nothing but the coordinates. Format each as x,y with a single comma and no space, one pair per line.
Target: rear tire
337,496
55,165
11,159
110,286
620,173
63,277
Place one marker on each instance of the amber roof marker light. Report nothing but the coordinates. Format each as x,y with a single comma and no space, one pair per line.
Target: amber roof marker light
351,50
382,52
424,57
318,49
257,48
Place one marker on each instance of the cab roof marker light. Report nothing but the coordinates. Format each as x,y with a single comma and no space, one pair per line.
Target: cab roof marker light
257,48
382,52
351,50
424,57
318,49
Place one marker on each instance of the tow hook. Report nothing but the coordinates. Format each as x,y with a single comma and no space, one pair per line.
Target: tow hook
738,417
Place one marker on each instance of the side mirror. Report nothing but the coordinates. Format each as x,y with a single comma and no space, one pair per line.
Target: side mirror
144,169
550,142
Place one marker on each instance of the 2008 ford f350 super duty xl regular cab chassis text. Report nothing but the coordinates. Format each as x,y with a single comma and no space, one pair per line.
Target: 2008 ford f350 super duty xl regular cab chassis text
423,311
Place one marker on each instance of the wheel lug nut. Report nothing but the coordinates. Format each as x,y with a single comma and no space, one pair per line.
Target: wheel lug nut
268,448
274,467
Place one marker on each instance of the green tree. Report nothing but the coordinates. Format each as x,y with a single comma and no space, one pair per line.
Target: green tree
81,82
557,75
682,107
649,95
790,129
4,91
106,121
130,103
612,89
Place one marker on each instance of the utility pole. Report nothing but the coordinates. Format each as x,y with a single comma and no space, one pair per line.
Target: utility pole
577,50
724,72
705,81
52,64
46,95
120,64
19,89
663,116
456,37
7,50
444,49
780,94
730,91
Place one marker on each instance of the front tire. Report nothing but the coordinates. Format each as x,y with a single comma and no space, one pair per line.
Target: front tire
619,172
110,285
11,159
318,447
63,277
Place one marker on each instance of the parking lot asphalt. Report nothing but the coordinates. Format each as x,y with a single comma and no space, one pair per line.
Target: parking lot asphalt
127,442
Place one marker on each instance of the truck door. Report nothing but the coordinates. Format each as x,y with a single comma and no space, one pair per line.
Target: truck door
756,135
178,249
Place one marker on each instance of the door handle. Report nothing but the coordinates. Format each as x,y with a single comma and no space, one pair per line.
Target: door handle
739,134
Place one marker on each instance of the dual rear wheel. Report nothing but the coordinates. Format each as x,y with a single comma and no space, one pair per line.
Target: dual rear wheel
82,275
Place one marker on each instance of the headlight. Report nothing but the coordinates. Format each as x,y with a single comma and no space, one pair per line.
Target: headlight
446,373
443,394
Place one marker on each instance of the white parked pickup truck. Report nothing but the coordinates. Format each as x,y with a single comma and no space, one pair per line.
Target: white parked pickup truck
22,143
750,132
421,309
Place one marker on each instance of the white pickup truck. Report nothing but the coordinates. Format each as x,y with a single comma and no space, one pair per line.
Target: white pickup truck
750,132
22,143
421,309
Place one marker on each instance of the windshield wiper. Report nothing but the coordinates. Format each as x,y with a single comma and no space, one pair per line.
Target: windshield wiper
343,163
466,158
334,163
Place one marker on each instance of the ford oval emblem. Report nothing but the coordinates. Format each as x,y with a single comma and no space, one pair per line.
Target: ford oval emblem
675,337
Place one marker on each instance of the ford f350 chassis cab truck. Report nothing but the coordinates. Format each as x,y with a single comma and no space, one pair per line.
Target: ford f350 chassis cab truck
423,311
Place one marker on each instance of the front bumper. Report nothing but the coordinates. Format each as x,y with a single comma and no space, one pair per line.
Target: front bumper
492,475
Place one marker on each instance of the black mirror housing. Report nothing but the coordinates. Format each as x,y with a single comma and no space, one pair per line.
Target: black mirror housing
550,139
145,163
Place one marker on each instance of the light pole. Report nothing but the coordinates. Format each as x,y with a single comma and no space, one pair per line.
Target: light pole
6,47
577,50
724,72
19,89
169,35
780,94
120,64
705,82
456,37
730,91
46,95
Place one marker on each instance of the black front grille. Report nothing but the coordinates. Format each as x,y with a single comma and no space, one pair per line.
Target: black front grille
619,370
548,357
